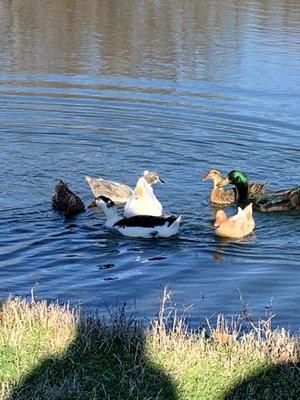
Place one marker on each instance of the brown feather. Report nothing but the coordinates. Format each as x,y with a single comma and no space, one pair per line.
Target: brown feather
255,189
221,196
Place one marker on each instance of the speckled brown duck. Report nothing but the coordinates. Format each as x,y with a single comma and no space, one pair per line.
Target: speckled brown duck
228,196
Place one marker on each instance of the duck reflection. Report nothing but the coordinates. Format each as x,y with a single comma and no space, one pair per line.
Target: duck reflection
224,245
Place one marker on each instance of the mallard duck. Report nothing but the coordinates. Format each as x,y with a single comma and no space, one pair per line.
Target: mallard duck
66,201
143,201
238,226
146,226
118,192
280,200
224,197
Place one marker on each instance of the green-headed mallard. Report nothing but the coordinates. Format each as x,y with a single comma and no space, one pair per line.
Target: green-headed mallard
280,200
223,197
118,192
66,201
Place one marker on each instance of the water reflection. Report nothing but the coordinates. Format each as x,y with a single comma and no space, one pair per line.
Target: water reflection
225,245
178,39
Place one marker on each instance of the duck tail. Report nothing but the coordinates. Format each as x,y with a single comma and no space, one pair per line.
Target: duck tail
248,211
256,189
173,220
178,220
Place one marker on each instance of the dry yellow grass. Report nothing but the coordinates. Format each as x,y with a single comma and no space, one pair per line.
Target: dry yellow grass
224,353
48,351
29,332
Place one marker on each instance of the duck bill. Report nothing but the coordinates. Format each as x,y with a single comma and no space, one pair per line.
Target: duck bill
92,204
223,182
206,177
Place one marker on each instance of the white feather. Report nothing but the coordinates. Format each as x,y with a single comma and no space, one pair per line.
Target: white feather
143,201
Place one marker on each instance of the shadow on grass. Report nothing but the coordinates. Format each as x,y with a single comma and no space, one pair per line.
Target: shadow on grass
280,382
111,361
103,362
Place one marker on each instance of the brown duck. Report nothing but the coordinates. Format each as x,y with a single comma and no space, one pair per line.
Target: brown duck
66,201
224,197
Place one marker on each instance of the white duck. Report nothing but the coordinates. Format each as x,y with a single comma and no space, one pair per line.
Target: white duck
238,226
146,226
118,192
143,201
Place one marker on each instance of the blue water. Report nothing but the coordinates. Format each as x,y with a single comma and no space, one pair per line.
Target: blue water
118,87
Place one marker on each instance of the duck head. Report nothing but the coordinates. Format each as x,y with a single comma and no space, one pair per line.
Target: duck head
240,180
152,177
109,208
104,202
235,177
221,217
215,175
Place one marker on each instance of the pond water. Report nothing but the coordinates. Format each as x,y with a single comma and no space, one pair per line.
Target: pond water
112,88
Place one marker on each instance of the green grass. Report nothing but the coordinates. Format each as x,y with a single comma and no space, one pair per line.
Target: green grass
51,352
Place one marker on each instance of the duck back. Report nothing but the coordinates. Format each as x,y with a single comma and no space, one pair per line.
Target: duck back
280,200
117,192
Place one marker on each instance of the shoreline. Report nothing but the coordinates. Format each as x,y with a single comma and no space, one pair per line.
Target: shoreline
49,351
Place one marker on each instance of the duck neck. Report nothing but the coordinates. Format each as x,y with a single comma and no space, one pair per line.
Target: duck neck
216,180
242,194
111,216
142,188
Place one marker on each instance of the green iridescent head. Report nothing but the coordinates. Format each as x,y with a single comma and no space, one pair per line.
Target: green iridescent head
235,177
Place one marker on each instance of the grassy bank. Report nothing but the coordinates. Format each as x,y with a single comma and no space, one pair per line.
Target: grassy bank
52,352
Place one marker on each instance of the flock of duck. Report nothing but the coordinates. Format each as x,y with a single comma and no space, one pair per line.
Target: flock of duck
143,214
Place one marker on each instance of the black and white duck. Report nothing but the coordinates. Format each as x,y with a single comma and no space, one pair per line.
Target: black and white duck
146,226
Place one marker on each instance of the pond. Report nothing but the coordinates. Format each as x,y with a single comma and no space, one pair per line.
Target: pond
112,88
